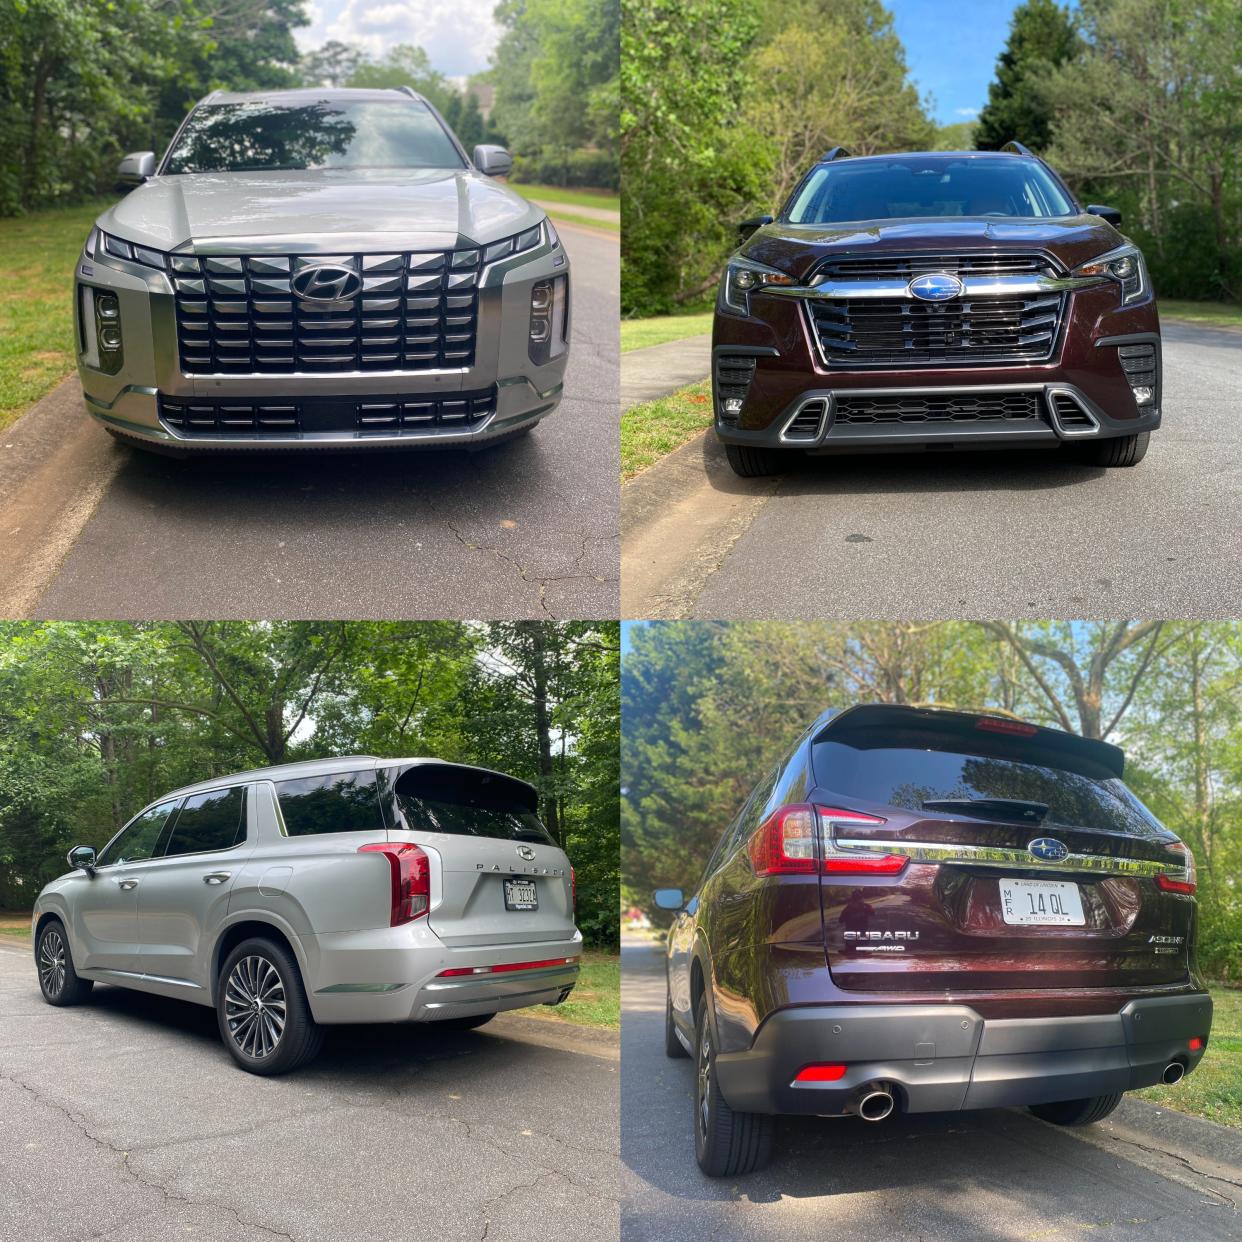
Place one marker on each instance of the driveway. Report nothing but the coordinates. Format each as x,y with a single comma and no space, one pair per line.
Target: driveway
968,535
527,529
126,1119
1143,1174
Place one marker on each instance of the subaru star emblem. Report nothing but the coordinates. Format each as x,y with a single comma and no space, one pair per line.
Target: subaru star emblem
524,851
1049,849
935,287
326,283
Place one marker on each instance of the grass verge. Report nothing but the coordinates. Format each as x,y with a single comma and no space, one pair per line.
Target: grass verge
1214,1090
565,217
639,333
596,1001
1218,314
603,199
37,257
15,927
651,430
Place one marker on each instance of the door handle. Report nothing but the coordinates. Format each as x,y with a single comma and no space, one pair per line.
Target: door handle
127,884
216,877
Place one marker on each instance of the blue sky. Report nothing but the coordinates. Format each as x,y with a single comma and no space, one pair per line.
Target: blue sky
951,48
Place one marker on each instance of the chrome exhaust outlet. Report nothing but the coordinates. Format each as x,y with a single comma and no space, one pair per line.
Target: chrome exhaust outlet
1173,1072
873,1102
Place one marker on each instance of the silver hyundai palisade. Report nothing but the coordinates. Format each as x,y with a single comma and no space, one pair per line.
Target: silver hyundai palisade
336,890
320,269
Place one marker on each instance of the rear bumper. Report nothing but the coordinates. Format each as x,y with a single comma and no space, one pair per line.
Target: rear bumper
943,1058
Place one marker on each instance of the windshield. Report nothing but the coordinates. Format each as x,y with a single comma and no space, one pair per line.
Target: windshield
905,186
258,136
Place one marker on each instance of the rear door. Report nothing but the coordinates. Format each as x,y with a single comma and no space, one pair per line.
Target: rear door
966,852
502,879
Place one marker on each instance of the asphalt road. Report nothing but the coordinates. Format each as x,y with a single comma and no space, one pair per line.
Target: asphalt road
971,534
528,529
1143,1174
126,1119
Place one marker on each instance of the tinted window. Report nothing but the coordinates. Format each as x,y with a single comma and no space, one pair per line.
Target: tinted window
139,840
209,821
898,187
468,803
1087,797
339,802
269,137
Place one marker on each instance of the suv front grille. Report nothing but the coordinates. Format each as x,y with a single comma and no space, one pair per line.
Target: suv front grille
954,407
411,312
906,267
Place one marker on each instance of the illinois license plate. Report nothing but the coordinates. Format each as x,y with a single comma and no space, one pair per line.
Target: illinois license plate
1044,903
521,895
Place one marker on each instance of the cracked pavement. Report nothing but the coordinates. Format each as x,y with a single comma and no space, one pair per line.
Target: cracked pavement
1144,1173
125,1119
527,529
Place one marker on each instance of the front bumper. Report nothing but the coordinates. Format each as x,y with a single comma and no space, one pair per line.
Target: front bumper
943,1058
333,410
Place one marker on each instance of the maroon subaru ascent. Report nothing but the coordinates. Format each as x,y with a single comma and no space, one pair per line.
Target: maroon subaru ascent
925,910
935,300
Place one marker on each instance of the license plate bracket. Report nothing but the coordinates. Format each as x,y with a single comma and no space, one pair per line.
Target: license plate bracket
1041,903
521,894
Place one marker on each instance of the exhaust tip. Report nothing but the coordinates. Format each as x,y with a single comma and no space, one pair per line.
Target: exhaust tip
1173,1072
876,1105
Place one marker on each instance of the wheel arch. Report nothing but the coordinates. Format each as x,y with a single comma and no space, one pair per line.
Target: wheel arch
244,928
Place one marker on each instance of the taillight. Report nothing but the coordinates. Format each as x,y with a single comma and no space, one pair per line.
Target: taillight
1187,881
411,879
786,844
838,861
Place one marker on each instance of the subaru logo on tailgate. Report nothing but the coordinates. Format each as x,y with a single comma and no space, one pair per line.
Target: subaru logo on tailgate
935,287
1049,849
326,283
524,851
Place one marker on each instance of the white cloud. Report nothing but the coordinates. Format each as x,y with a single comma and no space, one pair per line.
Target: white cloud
969,113
457,35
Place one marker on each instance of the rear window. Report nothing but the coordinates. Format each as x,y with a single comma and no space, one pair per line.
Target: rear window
337,802
209,821
468,803
1078,793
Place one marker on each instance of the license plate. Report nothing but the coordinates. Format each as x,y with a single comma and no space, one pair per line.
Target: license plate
1041,903
521,895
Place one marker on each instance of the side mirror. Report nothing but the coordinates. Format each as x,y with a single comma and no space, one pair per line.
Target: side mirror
1110,214
669,899
493,161
747,227
84,857
134,169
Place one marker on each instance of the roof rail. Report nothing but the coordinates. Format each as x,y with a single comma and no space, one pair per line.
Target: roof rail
1016,148
409,90
837,153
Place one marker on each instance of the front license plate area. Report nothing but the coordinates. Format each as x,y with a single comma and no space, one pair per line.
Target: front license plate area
1041,903
521,895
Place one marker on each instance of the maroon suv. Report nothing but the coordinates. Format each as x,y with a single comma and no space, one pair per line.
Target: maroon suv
924,910
938,300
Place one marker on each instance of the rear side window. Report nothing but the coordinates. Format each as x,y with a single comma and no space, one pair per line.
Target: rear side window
468,803
1078,795
338,802
140,838
209,821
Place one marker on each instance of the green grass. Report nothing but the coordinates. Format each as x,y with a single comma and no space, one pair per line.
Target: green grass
639,333
604,199
564,217
655,428
37,257
1219,314
596,1000
1214,1090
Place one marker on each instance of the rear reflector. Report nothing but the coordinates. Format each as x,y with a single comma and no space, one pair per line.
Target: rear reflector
996,724
820,1073
505,967
411,879
1195,1044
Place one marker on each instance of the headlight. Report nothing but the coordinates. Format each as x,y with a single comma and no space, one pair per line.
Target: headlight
740,278
1125,266
134,253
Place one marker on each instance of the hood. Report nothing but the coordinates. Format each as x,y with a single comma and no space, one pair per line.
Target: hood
323,211
796,248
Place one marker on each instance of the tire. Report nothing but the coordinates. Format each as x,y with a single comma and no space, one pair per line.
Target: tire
1077,1112
726,1143
1119,451
265,1045
462,1024
58,981
672,1045
749,462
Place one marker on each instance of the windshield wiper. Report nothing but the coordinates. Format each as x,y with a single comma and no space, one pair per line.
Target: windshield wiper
992,808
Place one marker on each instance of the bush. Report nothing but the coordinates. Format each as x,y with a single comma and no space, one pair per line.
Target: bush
590,169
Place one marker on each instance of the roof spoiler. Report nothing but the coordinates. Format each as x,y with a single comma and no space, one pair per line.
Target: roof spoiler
837,153
1014,147
880,718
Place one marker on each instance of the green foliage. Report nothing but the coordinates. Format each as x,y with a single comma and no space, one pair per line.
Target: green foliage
1041,37
97,719
957,137
402,65
596,169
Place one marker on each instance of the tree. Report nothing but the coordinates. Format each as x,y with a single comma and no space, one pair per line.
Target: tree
404,65
1041,37
332,64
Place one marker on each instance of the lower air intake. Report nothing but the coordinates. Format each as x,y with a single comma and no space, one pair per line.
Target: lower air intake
807,422
954,407
1071,416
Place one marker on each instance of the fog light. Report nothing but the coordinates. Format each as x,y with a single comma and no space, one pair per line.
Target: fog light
1144,395
107,306
549,319
110,338
733,405
108,331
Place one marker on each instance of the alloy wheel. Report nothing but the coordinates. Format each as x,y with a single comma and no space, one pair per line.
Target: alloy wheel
254,1006
52,963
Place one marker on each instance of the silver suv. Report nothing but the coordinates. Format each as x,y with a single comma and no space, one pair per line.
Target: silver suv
315,269
337,890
